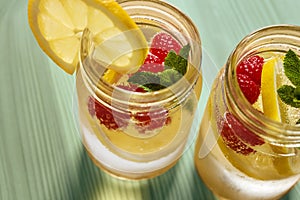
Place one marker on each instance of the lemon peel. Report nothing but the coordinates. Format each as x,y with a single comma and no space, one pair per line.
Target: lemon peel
270,100
57,25
271,109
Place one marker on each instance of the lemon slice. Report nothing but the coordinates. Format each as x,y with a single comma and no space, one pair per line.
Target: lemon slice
271,109
58,25
270,101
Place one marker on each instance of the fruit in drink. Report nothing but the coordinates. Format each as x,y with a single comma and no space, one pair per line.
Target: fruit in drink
244,144
249,77
58,26
152,75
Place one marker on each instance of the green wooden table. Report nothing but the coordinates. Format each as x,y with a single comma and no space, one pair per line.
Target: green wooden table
41,155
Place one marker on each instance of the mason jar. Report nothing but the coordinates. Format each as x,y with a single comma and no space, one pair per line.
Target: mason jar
134,134
240,152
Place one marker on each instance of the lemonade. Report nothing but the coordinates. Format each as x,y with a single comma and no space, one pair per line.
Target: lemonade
129,131
248,138
138,77
130,128
130,152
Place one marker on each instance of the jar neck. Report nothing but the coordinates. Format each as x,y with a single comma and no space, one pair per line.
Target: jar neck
274,39
149,15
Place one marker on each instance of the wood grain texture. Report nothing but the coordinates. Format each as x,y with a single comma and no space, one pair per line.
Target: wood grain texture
41,155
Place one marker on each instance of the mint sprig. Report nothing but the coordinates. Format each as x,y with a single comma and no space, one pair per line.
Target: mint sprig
290,94
147,80
291,64
142,78
178,62
175,66
169,76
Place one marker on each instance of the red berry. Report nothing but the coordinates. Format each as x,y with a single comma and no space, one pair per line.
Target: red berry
249,88
238,137
249,77
251,67
151,120
110,119
162,43
152,64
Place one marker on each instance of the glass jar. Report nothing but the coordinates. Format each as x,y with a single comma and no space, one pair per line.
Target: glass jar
240,153
131,134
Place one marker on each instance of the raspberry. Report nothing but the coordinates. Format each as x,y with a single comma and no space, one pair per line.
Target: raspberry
113,120
162,43
152,64
251,67
110,119
249,77
249,88
237,137
151,120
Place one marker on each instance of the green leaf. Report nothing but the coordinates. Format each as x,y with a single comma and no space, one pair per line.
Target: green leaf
147,80
291,64
181,67
144,78
184,51
171,60
168,77
178,62
175,67
152,87
297,93
287,95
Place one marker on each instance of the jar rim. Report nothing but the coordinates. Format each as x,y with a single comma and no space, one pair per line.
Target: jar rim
275,132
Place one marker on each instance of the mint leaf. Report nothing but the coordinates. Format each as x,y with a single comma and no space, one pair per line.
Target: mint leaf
297,93
291,64
287,95
181,67
152,87
175,66
290,95
147,80
144,78
178,62
168,77
170,60
184,51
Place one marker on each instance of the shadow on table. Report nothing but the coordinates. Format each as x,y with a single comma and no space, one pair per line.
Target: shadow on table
180,182
176,184
89,182
88,179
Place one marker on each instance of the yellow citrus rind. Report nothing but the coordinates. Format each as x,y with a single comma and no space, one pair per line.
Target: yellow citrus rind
57,26
270,100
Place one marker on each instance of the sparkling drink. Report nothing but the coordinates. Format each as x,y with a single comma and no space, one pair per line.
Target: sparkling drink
248,140
135,129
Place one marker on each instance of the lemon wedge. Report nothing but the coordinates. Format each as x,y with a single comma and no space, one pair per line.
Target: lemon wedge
271,109
57,26
270,100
